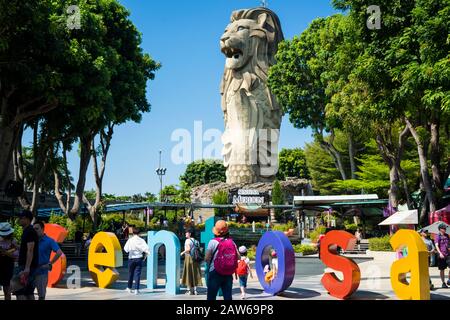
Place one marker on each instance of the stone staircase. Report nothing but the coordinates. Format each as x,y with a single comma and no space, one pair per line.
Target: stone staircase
363,247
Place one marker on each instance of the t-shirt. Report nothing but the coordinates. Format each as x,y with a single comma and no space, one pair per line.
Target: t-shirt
212,246
78,236
442,242
275,263
46,246
429,244
189,244
29,235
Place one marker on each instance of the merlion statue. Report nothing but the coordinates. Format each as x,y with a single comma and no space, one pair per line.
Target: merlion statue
251,113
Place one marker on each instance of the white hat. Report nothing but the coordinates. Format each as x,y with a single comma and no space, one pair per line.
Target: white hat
242,249
5,229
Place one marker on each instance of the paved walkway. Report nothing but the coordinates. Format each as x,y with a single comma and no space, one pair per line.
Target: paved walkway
375,285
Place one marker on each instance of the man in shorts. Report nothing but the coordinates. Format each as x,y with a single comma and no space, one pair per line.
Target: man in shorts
442,247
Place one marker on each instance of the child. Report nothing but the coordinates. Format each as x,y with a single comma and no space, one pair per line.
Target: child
242,270
270,275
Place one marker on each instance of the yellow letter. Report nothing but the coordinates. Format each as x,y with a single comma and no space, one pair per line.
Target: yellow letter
415,262
104,252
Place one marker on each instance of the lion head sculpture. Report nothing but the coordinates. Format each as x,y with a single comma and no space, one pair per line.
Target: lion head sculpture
251,40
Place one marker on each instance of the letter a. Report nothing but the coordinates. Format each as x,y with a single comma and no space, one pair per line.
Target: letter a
416,262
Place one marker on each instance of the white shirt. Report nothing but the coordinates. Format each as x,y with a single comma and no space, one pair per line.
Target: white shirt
135,247
275,263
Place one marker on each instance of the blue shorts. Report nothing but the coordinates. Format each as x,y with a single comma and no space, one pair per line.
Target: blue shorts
243,281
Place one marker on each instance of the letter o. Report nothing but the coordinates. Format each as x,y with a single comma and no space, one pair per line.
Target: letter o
286,261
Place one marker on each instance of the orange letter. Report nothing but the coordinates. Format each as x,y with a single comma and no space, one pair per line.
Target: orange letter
104,251
416,262
57,233
352,276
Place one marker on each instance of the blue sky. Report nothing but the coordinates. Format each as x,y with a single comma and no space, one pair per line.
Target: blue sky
184,37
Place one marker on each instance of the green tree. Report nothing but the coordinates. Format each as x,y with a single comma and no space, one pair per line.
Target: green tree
184,193
169,193
203,172
292,163
34,71
304,78
277,198
373,174
150,197
404,72
220,197
321,168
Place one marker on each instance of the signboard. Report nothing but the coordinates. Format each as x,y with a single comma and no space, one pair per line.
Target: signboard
247,196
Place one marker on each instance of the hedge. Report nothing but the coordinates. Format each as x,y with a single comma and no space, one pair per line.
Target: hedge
380,244
306,249
314,235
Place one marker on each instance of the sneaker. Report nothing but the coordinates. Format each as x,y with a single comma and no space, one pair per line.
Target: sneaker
431,287
243,297
195,293
137,292
444,286
129,290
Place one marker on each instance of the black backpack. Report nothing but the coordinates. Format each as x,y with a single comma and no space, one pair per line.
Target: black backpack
196,251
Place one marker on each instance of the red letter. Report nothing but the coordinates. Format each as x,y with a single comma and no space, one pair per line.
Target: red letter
57,233
352,276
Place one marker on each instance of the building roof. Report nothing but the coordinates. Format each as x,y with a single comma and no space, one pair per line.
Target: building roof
315,200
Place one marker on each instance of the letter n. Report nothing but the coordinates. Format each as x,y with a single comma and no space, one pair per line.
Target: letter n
172,244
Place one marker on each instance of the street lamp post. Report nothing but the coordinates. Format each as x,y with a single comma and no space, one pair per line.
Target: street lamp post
160,172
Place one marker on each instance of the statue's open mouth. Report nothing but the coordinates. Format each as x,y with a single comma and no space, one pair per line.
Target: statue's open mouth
232,52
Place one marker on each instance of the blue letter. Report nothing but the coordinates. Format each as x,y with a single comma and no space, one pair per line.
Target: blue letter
286,261
172,244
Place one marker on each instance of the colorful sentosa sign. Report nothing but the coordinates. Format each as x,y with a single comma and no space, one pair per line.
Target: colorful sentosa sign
105,255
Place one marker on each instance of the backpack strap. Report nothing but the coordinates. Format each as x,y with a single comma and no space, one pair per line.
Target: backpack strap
217,248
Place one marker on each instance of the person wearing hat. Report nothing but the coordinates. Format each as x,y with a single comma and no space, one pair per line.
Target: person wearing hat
222,259
8,255
28,256
431,250
243,270
442,247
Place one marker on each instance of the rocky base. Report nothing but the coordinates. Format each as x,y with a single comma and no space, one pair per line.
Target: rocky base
291,187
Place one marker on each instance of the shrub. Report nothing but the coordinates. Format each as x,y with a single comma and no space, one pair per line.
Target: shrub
277,198
284,227
305,249
65,222
314,235
18,232
350,227
380,244
200,226
251,253
220,197
260,225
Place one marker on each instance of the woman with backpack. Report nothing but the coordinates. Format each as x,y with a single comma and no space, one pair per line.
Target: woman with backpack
222,258
243,270
192,275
